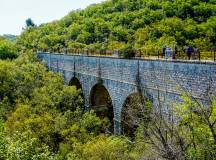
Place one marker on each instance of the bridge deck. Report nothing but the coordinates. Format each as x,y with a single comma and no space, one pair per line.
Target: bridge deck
207,61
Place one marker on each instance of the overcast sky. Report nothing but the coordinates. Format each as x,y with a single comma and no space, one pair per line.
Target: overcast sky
13,13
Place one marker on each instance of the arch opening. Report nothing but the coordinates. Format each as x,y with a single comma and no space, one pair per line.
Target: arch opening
75,82
101,103
136,110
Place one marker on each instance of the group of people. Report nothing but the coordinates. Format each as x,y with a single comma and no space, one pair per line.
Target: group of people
169,53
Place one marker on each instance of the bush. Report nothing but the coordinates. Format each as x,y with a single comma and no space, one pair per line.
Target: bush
128,52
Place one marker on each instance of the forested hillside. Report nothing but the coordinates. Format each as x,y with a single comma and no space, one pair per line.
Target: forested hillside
118,24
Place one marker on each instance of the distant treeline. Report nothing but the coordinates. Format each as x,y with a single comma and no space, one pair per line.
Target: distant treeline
10,37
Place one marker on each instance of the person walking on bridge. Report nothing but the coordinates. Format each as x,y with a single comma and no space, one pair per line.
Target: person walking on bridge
190,50
163,51
175,52
168,53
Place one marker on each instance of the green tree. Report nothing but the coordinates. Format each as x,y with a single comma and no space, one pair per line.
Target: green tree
30,23
200,123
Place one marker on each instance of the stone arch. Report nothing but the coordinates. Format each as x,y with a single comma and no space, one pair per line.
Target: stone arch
133,113
100,101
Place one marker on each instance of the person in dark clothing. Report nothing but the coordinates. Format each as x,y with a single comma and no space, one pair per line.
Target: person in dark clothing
163,51
190,50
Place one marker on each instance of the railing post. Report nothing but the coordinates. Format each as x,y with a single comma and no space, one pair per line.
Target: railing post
199,55
214,56
211,54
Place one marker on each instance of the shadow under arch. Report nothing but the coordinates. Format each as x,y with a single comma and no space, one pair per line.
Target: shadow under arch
136,110
75,82
101,103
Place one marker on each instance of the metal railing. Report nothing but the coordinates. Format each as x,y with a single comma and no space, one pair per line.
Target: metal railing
142,54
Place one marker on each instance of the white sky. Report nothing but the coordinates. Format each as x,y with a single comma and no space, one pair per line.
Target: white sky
13,13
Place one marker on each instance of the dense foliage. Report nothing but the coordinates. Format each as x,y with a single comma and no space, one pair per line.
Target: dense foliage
118,24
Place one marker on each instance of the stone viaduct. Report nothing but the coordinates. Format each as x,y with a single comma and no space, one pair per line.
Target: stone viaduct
159,80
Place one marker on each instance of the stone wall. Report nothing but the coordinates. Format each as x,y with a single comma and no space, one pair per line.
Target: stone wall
159,80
